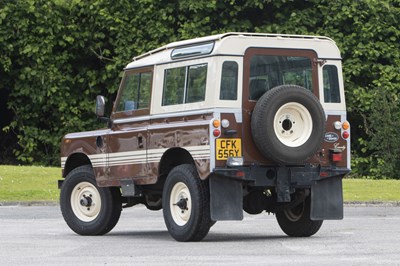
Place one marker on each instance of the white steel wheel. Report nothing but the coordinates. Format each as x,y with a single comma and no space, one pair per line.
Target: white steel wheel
85,201
293,124
180,204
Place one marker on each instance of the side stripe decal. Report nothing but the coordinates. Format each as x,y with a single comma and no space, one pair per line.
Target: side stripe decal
139,157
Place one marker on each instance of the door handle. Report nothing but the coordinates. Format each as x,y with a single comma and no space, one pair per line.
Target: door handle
140,142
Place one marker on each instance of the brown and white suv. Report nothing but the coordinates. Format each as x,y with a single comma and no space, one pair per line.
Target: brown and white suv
209,127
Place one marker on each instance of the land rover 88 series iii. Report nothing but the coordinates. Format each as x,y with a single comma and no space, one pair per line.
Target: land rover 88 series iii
206,128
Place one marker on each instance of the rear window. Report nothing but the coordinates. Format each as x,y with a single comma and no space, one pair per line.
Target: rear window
269,71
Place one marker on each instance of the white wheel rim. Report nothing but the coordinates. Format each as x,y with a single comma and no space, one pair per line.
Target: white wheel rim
85,201
181,214
293,124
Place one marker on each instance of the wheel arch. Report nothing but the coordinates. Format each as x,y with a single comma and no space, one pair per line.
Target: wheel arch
172,158
75,160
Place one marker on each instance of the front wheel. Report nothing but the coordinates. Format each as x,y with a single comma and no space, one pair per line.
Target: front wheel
186,204
87,208
296,221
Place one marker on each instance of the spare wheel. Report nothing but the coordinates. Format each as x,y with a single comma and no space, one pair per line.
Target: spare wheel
288,124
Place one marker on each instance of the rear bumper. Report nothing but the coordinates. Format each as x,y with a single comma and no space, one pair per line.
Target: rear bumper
285,180
297,176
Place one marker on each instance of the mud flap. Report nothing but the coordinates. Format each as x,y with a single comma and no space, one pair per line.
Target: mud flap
327,199
226,199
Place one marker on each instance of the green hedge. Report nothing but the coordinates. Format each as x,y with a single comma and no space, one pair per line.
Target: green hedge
56,56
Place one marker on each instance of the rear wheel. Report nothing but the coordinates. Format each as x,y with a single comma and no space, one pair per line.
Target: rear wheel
296,221
186,204
87,208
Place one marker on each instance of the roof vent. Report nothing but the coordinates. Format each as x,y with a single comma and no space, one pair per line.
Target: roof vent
194,50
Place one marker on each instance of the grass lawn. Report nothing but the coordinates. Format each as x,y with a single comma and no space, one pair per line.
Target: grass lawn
35,183
371,190
29,183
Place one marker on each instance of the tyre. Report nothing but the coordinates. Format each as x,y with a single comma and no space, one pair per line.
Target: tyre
186,204
87,208
288,124
296,222
153,203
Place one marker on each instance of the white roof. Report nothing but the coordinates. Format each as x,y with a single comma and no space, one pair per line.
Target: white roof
236,43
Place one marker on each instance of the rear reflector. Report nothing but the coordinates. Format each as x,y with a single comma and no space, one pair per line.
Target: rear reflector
336,157
323,174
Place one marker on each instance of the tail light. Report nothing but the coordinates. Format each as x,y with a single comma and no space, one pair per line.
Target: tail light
216,133
344,127
336,153
216,124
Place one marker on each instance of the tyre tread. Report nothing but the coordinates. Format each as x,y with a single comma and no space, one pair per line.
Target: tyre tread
304,227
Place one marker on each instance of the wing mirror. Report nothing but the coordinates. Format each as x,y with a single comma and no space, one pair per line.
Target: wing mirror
100,105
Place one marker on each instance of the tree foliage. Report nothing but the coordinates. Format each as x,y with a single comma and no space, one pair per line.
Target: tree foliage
55,56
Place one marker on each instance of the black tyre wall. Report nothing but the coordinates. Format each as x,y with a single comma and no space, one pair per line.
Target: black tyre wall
303,226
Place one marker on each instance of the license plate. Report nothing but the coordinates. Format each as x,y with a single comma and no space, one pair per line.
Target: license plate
228,148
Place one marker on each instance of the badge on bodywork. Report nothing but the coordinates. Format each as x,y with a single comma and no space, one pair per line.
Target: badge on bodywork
331,137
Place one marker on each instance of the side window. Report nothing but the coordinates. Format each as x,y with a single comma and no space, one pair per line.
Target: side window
184,84
174,86
135,92
331,84
229,81
196,83
267,72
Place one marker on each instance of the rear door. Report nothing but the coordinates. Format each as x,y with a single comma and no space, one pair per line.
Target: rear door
266,68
